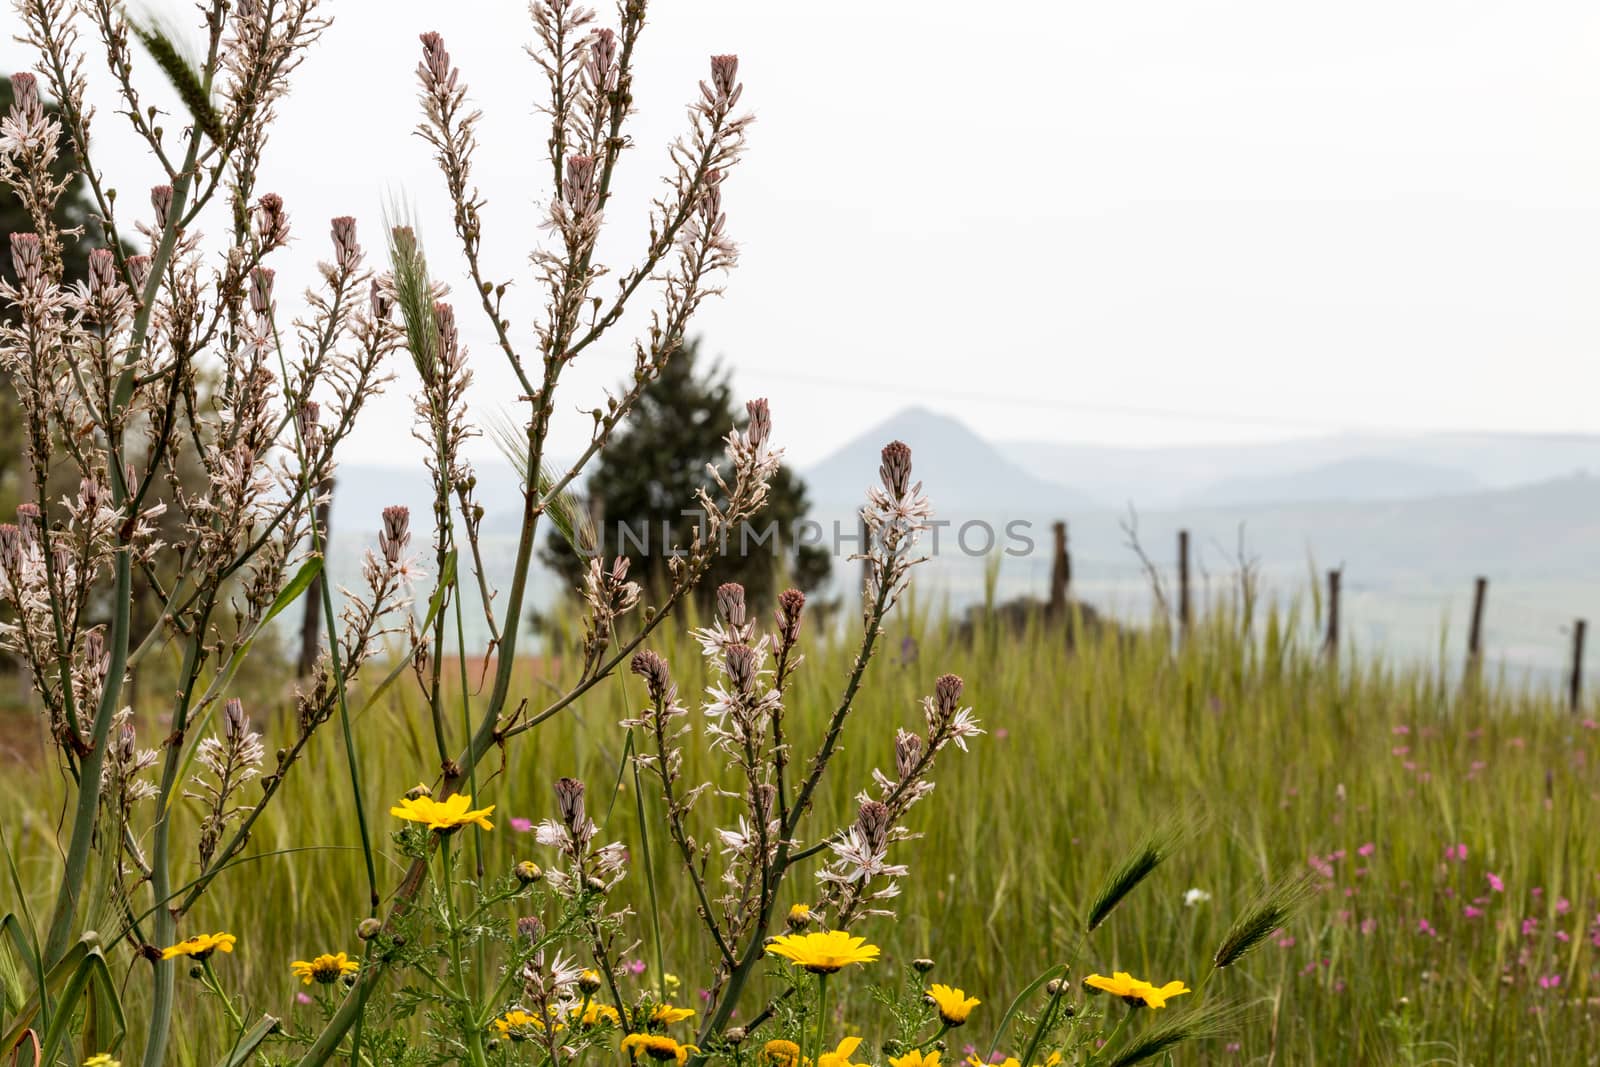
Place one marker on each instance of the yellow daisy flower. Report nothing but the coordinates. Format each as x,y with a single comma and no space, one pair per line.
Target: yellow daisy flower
1157,996
1053,1060
519,1025
444,816
1124,985
666,1015
593,1014
324,969
658,1047
915,1058
101,1059
840,1057
823,953
200,946
954,1005
780,1053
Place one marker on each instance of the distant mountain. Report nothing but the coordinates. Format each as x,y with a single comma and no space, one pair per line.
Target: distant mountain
961,472
1364,478
1170,476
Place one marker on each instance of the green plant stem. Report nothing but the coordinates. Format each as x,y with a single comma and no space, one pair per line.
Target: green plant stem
458,970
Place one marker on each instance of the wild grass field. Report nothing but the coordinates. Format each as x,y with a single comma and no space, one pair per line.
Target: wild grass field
1447,829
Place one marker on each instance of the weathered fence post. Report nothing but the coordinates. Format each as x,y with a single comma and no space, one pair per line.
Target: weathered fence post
1575,683
1330,642
1185,609
1480,593
1060,572
311,624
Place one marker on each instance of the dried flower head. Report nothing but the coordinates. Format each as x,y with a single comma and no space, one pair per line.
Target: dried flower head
261,290
396,532
730,604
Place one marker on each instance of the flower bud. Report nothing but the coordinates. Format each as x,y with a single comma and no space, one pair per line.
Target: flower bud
872,822
396,532
28,521
569,799
589,982
272,222
27,258
741,664
724,75
10,550
653,669
922,965
791,602
139,270
418,791
102,273
261,290
527,872
347,253
435,66
759,428
895,470
730,604
602,58
161,200
947,695
735,1035
26,106
907,753
234,721
530,928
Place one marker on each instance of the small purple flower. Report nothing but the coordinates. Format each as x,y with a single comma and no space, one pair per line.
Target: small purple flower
1495,882
521,825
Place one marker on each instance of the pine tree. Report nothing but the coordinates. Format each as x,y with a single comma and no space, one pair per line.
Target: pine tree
647,476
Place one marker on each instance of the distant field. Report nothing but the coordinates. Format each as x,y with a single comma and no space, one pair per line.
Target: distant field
1377,781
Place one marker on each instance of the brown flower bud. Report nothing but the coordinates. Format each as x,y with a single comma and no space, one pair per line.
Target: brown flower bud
759,428
730,604
139,270
369,928
27,258
396,532
346,251
653,669
235,723
527,872
435,66
161,200
947,694
907,752
26,106
724,75
272,222
569,799
10,549
895,470
741,664
922,965
102,273
261,290
872,823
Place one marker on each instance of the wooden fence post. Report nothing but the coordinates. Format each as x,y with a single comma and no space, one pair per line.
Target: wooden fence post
1185,608
311,624
1060,572
1575,683
1480,593
1330,642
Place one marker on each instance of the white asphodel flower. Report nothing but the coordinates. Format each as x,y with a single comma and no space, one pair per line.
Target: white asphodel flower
1195,896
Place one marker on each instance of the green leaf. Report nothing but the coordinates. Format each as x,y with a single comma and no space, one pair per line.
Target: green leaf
91,968
249,1042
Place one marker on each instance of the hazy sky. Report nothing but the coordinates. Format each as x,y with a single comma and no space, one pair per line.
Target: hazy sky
1072,221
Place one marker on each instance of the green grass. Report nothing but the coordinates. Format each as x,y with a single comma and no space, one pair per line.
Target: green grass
1279,762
